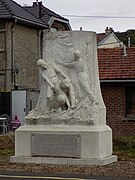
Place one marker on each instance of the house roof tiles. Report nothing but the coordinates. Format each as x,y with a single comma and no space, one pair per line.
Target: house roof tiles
10,9
114,65
46,13
101,36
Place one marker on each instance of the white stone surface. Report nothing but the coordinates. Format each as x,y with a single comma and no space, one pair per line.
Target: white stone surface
70,102
64,161
96,145
96,142
70,90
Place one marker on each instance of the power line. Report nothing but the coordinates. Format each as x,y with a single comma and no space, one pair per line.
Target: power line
100,17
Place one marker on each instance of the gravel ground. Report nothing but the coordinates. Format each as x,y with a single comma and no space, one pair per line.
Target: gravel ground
120,168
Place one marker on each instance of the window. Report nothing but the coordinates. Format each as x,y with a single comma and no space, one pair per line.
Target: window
130,99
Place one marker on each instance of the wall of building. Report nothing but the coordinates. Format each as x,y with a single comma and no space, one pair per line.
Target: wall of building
110,42
25,53
18,43
114,96
2,54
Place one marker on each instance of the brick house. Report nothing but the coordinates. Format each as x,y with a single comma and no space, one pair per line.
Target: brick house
21,33
117,77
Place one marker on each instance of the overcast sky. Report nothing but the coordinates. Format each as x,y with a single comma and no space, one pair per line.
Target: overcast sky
90,8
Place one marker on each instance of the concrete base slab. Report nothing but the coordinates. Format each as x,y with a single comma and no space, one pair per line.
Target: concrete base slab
64,161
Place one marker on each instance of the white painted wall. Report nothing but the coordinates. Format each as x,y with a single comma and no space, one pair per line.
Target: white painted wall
19,104
109,42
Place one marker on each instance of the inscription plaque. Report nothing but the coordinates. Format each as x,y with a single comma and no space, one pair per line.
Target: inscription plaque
55,145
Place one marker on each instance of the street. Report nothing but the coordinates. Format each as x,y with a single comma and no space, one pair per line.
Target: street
46,176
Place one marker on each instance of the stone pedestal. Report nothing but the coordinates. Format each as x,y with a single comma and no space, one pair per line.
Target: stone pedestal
72,145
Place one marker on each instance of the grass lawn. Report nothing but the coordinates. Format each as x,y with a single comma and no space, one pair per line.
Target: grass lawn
7,144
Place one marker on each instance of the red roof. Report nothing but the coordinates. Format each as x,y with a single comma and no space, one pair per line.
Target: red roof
100,37
114,65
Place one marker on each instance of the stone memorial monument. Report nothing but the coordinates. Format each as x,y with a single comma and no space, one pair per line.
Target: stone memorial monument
68,124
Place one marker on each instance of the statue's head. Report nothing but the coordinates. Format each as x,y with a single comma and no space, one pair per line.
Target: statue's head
77,54
42,63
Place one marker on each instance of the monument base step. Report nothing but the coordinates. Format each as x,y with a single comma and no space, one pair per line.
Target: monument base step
64,161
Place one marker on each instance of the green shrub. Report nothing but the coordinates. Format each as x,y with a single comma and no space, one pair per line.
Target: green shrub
125,143
7,144
7,152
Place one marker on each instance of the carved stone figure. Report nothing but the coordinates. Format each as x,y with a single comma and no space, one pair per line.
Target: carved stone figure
70,110
69,89
54,77
60,93
81,69
67,86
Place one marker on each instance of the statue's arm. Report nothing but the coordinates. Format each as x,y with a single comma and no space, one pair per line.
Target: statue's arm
47,80
61,73
68,64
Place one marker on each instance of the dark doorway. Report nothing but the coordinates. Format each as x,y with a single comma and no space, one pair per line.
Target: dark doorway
5,103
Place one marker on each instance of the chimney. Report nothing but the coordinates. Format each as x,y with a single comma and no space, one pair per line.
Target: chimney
35,3
108,30
39,6
129,43
125,52
80,28
111,29
40,9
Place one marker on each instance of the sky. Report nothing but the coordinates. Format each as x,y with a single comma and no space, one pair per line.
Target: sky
93,15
